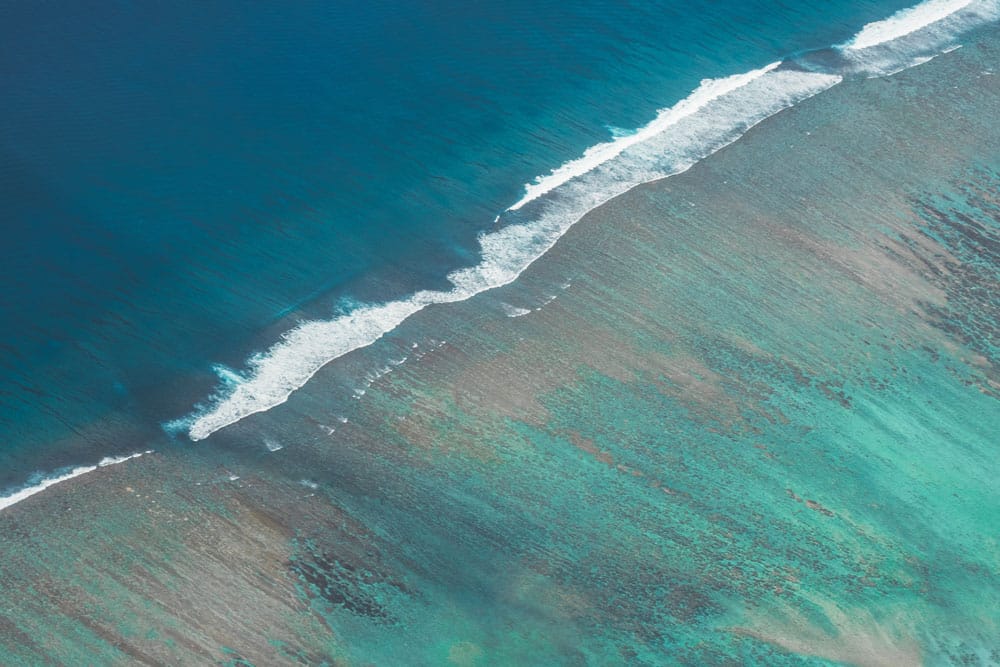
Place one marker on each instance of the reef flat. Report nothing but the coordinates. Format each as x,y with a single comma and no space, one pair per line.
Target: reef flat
744,415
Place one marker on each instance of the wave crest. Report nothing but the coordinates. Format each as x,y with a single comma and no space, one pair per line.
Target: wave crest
713,116
717,113
905,22
28,491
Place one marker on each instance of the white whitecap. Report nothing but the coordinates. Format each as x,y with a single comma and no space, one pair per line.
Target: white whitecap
227,375
27,492
915,36
905,22
710,89
514,311
115,460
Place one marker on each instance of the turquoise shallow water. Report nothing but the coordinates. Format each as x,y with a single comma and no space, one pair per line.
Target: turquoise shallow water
748,418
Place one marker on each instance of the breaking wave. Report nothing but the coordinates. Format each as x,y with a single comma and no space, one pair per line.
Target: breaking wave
717,113
46,482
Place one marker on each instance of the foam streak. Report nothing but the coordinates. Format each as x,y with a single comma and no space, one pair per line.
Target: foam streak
905,22
18,496
709,90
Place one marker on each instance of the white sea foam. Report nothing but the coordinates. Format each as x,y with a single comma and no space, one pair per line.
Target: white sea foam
227,375
905,22
115,460
717,113
514,311
709,90
914,36
18,496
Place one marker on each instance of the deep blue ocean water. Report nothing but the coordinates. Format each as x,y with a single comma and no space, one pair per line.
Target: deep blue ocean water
180,182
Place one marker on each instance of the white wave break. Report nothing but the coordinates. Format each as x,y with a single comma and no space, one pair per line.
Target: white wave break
717,113
18,496
905,22
710,89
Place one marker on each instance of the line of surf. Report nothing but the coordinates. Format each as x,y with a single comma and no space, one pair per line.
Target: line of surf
27,492
914,36
709,90
507,252
905,22
717,113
